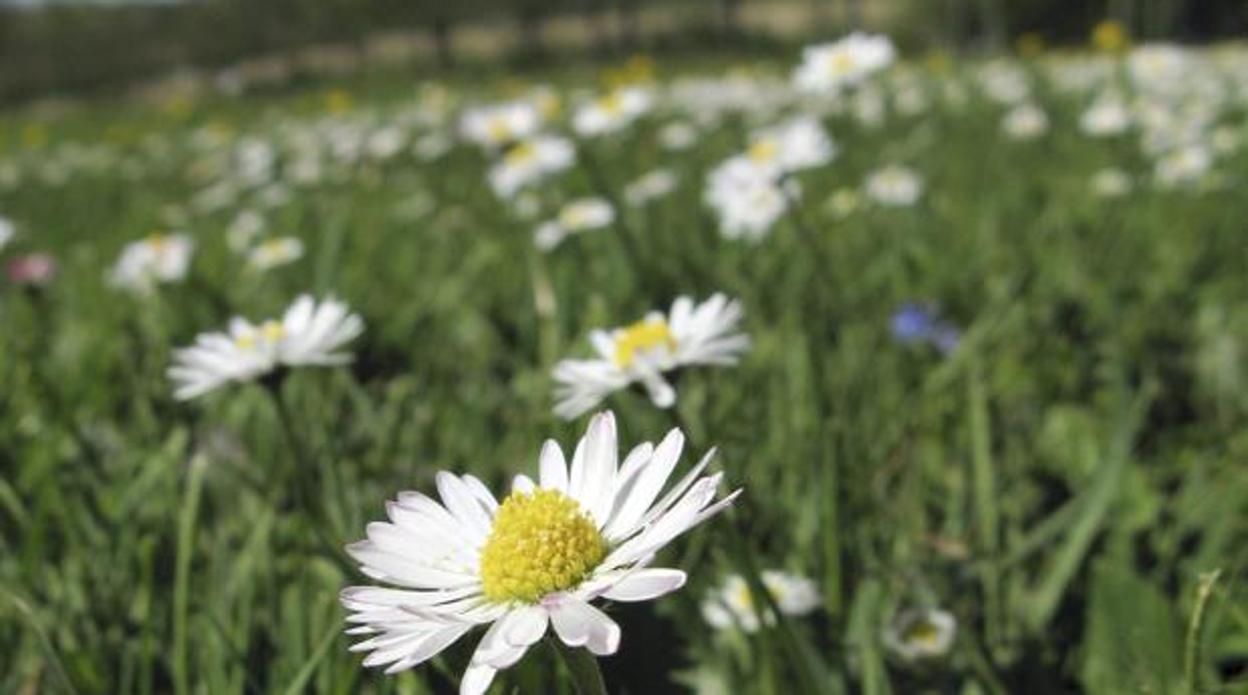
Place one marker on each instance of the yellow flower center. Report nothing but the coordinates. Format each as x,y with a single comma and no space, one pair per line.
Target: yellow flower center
763,151
643,336
270,331
521,153
842,63
498,129
922,632
613,104
541,542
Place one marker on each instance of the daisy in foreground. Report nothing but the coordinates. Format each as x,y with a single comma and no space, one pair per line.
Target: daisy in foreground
309,333
536,560
690,334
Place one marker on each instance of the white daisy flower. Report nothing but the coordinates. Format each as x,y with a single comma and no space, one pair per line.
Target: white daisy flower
275,252
160,258
612,112
532,563
921,634
747,198
678,136
529,162
1025,122
243,231
7,232
844,202
705,334
829,67
496,125
733,605
799,143
1004,82
1159,67
650,186
308,334
894,186
1107,116
1185,166
432,147
1111,183
580,215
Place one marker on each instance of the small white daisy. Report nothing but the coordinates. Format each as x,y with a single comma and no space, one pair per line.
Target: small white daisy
612,112
650,186
747,198
160,258
921,634
1111,183
894,186
530,161
275,252
1025,122
497,125
678,136
796,144
580,215
703,334
244,229
308,334
830,67
733,605
532,563
1106,117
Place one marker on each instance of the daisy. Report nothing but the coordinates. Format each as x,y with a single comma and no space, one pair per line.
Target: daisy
829,67
689,335
796,144
497,125
678,136
1107,116
1184,166
529,162
650,186
531,563
244,229
159,258
921,634
580,215
894,186
733,605
1025,122
1111,183
747,198
275,252
612,112
308,334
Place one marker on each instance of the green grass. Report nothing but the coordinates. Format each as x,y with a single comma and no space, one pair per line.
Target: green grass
1061,482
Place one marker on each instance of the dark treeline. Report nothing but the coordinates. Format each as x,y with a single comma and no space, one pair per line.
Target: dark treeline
65,47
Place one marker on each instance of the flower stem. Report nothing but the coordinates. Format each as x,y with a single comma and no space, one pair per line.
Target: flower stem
302,478
586,675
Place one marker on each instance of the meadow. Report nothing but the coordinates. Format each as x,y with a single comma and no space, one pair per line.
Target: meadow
989,427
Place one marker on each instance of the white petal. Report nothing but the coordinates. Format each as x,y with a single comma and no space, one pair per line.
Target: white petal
477,679
579,624
527,626
554,470
646,584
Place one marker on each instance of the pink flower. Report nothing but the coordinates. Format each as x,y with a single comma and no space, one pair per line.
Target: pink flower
33,270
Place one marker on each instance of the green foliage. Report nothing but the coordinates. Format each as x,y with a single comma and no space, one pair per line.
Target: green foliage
1059,482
